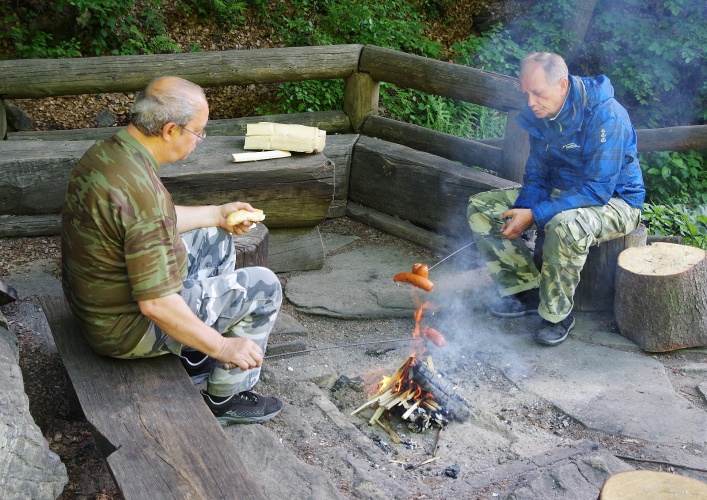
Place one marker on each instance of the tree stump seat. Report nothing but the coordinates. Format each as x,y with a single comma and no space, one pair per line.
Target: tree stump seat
661,297
596,288
653,485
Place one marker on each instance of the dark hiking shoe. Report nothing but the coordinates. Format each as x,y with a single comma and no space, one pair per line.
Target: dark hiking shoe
243,408
554,333
198,365
513,306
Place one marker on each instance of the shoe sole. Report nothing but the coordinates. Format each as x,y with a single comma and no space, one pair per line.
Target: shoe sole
226,421
558,341
513,315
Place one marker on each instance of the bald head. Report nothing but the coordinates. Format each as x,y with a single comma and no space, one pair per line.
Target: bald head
167,99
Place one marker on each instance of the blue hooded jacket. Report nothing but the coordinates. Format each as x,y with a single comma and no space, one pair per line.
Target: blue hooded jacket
588,152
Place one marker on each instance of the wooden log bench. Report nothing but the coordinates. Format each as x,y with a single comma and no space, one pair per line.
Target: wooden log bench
149,421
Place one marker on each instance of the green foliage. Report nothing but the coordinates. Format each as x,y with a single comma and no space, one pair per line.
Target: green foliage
654,51
673,177
75,28
310,95
677,220
228,12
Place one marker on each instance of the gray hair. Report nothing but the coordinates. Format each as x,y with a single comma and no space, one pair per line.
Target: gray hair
167,99
554,66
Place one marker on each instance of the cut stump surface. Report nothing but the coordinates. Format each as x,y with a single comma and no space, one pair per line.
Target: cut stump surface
661,297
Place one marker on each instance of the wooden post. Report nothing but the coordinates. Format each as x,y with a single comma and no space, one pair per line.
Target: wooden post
361,95
516,148
3,120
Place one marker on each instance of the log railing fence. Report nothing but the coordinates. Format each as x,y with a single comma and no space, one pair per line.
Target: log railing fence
362,68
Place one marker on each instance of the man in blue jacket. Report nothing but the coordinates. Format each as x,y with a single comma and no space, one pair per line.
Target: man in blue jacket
582,185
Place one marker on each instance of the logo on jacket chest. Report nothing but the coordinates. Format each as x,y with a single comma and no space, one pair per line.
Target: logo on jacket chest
571,145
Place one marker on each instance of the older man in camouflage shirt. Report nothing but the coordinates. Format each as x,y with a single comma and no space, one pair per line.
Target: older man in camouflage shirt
582,185
145,277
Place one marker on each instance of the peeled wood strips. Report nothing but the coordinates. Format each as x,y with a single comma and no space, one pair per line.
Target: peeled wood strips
286,137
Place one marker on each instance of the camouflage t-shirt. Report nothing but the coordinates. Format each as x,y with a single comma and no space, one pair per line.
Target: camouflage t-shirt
119,242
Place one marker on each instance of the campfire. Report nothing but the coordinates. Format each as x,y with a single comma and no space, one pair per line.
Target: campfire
416,392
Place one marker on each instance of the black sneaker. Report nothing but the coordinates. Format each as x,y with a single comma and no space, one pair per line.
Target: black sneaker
243,408
197,364
513,306
554,333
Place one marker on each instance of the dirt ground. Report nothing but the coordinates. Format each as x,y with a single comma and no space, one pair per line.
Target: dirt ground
509,424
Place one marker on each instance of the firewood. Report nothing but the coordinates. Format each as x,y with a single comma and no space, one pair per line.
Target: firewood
386,426
287,137
376,415
260,155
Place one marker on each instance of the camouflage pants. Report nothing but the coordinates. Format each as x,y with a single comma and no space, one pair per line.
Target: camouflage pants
235,302
568,237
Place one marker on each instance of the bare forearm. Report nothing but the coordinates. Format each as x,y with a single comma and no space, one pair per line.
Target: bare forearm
177,320
189,218
174,317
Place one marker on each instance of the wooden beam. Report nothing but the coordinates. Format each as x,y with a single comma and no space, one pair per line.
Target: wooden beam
466,151
426,190
516,148
293,192
672,138
29,78
402,229
441,78
158,436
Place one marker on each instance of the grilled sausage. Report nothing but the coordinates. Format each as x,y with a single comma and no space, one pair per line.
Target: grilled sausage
421,270
436,337
415,280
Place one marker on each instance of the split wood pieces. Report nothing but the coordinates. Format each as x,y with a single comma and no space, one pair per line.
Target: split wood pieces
285,137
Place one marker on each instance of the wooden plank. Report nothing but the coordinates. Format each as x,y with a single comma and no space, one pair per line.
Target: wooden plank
28,78
468,152
441,78
426,190
159,438
293,192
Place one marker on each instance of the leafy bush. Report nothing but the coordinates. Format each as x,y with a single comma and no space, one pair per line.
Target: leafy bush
677,220
225,11
75,28
673,177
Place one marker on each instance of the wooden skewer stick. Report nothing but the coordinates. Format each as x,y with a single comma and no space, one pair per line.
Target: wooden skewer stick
436,446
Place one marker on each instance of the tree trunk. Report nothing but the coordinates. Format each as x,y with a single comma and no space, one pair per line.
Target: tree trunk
661,298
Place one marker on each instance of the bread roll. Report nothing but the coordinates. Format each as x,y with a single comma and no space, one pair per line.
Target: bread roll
240,216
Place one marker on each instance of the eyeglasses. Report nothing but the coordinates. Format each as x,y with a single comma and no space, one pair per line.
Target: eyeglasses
200,137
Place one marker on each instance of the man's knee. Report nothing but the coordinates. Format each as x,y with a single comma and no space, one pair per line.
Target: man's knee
566,237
